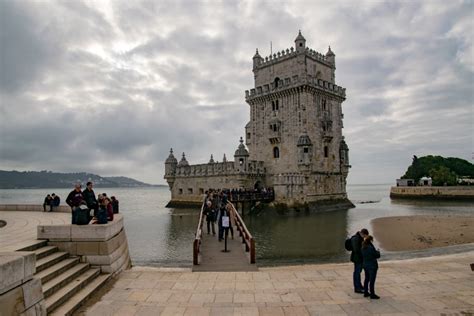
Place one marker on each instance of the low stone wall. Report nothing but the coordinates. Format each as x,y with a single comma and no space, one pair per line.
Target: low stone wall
442,193
103,246
187,200
33,208
20,292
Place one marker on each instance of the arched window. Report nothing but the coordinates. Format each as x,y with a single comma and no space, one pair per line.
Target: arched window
276,152
326,151
276,82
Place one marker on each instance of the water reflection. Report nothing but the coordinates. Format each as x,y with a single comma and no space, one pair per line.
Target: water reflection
303,237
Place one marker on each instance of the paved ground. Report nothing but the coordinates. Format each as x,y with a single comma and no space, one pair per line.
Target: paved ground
213,259
21,227
429,286
441,285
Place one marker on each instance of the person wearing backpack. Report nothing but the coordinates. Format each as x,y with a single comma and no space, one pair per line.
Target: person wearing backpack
356,258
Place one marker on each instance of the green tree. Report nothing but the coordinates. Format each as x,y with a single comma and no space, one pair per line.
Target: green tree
443,175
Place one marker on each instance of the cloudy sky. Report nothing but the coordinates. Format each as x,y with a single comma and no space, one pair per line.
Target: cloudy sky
109,86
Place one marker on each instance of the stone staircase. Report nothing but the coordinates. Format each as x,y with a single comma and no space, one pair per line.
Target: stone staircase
66,281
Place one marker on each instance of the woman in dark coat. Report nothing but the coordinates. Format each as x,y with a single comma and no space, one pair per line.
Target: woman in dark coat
370,265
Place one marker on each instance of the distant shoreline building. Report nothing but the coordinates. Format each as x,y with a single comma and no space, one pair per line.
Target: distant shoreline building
294,136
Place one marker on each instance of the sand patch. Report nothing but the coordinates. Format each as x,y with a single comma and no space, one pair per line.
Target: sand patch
422,231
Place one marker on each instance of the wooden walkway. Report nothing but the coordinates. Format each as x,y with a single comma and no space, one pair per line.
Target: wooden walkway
214,259
208,254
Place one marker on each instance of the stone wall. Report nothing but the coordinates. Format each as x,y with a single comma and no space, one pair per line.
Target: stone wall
103,246
20,292
447,193
33,208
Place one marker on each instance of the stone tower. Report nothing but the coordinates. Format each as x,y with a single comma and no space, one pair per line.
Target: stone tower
296,123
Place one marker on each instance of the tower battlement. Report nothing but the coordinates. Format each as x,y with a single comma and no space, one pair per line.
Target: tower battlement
288,54
288,83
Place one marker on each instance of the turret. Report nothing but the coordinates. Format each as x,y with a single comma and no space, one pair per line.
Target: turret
344,153
224,159
257,59
241,157
183,162
211,161
170,164
331,57
300,43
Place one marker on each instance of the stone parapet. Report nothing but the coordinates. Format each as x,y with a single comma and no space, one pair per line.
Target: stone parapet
33,208
20,293
434,192
103,246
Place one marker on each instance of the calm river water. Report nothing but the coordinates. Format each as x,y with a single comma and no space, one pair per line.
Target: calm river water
159,236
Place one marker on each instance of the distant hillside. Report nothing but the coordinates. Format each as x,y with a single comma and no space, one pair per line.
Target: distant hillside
442,170
49,179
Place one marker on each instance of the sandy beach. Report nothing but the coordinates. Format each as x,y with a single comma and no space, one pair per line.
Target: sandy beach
421,232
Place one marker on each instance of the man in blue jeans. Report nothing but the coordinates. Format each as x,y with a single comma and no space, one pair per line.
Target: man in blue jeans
356,257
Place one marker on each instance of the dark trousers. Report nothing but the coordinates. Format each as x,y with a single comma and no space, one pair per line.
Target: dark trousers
74,216
210,224
369,281
356,276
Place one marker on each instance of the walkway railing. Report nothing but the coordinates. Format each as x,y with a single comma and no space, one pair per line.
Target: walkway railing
197,238
244,233
247,237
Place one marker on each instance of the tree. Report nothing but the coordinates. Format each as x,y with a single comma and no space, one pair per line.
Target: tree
443,176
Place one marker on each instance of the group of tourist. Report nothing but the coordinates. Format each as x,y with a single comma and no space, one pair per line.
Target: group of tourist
364,256
242,194
217,209
87,209
51,200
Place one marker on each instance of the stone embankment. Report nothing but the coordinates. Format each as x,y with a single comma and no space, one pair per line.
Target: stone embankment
441,193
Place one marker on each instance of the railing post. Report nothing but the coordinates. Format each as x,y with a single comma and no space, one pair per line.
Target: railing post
252,250
196,252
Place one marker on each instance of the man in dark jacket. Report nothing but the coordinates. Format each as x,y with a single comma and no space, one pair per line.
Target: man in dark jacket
89,197
74,200
356,257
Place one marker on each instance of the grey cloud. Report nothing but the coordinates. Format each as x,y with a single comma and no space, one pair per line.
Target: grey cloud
113,88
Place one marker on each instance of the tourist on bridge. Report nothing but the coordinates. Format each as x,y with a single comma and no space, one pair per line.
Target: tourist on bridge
210,217
224,211
370,264
356,257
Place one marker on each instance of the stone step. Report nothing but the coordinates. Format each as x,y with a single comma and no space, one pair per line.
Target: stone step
44,251
81,296
55,270
32,245
67,291
64,278
50,260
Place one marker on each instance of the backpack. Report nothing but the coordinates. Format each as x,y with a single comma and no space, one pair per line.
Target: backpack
348,244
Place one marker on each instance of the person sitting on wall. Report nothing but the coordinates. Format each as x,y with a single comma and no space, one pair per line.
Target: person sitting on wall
56,200
47,202
115,204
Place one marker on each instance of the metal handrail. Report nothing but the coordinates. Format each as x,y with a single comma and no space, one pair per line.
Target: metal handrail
197,238
247,237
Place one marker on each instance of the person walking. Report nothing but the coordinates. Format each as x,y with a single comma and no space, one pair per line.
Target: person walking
370,264
210,214
356,258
